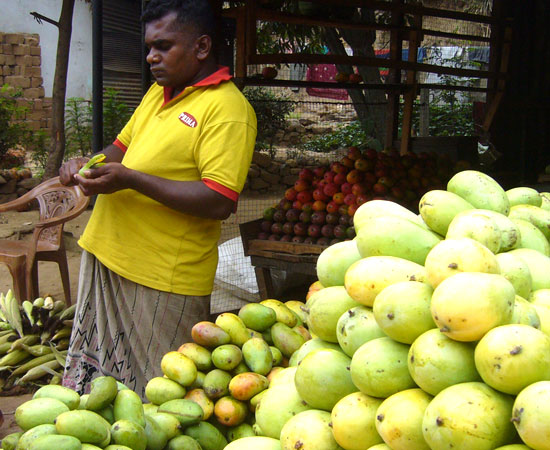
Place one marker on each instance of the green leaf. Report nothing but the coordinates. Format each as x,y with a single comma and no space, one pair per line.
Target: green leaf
59,356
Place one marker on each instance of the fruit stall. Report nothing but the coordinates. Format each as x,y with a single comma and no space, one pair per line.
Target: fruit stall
424,325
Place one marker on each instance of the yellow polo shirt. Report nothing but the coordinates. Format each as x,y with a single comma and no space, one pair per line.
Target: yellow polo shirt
205,133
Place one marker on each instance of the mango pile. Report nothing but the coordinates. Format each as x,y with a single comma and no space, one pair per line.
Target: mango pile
429,331
34,337
207,396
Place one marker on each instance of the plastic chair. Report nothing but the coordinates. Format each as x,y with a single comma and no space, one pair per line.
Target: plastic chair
58,204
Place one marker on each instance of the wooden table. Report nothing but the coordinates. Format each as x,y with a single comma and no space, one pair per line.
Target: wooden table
267,255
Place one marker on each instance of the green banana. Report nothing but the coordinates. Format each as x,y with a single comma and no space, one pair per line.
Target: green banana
48,303
34,350
62,344
5,332
38,302
58,306
13,358
4,326
38,372
10,336
68,313
63,333
30,339
35,362
4,348
10,308
93,163
56,379
27,308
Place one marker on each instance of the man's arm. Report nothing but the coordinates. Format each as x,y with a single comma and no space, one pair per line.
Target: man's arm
71,167
189,197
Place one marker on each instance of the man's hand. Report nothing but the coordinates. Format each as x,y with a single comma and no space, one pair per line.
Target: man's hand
111,177
69,169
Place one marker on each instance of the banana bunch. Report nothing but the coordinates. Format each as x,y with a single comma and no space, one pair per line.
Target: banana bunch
34,337
208,395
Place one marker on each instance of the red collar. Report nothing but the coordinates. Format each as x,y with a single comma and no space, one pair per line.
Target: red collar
222,74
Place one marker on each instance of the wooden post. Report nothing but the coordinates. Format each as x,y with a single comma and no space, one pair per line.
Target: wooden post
240,51
424,112
250,29
410,94
394,77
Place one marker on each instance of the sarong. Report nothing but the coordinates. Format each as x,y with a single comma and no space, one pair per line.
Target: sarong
123,329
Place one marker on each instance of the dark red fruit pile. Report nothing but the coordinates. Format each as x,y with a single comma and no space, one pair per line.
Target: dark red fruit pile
319,208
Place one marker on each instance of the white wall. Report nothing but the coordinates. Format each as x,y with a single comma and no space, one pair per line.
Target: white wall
15,18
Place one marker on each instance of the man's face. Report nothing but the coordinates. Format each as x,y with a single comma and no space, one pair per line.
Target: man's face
172,52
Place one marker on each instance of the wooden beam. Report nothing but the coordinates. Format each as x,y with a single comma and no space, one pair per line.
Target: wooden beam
412,9
297,58
269,15
257,81
389,87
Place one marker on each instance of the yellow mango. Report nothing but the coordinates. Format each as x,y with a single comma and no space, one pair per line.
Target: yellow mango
480,190
438,208
395,236
366,278
468,305
453,256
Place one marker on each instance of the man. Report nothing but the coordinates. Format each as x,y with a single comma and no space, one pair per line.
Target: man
173,173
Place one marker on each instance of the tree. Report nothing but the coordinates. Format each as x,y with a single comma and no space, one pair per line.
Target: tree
276,37
57,141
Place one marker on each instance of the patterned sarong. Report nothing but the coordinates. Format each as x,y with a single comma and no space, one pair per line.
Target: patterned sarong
123,329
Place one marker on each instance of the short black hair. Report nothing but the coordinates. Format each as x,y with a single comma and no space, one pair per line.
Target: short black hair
196,12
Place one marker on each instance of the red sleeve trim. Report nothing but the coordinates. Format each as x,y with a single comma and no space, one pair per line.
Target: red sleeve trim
120,145
221,189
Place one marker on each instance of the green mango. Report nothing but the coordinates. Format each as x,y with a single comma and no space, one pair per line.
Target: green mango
187,411
55,441
87,426
64,394
128,433
128,405
480,190
103,393
160,389
258,317
227,357
216,383
28,436
38,411
201,356
257,355
207,435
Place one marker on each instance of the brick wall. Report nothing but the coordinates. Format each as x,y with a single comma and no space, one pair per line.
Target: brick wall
20,67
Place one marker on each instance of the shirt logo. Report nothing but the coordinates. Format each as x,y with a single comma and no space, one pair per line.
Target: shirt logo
188,119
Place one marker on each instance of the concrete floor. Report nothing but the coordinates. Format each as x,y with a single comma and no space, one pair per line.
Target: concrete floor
8,405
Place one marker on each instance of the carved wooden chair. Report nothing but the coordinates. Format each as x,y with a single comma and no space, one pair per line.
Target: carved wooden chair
58,204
